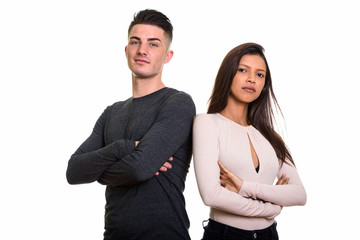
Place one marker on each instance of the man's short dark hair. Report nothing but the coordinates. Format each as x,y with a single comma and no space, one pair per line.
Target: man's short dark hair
153,17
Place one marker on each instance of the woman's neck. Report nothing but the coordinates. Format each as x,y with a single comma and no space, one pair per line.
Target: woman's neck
236,112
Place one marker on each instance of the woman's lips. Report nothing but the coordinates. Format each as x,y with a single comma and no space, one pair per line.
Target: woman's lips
249,89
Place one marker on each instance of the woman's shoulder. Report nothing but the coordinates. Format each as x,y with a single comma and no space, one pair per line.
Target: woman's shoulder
206,117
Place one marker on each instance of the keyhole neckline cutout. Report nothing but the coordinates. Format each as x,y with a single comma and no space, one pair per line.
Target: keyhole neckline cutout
254,156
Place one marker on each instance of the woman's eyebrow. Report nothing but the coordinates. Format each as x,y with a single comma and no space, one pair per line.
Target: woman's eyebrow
260,69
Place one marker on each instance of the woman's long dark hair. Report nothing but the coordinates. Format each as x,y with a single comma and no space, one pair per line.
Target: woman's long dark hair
260,113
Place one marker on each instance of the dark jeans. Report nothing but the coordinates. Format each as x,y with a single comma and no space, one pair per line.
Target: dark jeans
217,231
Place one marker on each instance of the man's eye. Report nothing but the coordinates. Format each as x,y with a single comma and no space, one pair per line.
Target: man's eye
153,45
134,43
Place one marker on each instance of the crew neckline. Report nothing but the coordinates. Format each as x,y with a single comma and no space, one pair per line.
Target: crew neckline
232,122
150,94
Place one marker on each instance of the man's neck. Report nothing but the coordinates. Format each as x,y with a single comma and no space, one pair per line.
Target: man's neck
143,87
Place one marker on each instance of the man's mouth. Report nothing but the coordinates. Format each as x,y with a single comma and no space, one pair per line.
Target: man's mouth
141,61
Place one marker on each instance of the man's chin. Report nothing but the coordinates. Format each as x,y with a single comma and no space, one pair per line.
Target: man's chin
143,76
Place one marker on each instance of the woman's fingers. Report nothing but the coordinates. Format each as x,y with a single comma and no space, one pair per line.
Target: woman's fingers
283,180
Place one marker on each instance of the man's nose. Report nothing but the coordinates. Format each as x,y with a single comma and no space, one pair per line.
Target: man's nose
142,50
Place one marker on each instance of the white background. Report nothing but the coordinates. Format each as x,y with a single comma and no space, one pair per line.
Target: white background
63,62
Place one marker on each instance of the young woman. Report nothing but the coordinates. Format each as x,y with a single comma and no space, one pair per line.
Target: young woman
238,155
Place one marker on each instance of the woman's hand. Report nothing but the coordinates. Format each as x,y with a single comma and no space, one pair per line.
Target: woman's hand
283,180
228,179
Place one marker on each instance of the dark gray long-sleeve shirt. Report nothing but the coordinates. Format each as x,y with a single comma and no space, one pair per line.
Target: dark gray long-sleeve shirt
140,205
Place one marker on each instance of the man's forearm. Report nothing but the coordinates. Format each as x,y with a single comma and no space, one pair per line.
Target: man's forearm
170,130
86,167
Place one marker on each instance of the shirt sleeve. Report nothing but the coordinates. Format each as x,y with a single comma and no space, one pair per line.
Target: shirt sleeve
291,194
91,159
171,129
207,171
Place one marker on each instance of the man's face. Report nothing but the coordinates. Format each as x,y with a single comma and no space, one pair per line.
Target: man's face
147,51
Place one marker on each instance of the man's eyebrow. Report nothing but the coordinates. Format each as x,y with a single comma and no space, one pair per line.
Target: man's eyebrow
149,39
137,38
154,39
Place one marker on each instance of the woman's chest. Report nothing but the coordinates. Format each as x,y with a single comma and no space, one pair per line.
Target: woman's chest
242,150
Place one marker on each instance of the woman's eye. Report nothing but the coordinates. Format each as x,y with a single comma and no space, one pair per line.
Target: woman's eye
260,75
241,70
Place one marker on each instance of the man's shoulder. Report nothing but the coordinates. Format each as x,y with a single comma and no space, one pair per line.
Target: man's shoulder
178,103
118,105
177,95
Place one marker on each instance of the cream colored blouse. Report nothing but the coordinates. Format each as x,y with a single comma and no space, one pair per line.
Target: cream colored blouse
258,202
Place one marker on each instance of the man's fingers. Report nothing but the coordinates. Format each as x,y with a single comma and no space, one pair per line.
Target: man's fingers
167,165
163,169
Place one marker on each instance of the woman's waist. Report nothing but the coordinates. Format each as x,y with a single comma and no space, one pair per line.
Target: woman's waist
241,222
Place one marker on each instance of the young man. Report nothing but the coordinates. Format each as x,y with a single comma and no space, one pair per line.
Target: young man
133,141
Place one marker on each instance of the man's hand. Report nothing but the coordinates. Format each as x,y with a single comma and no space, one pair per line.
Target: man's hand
165,167
228,179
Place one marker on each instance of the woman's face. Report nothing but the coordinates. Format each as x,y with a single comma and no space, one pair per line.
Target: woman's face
249,79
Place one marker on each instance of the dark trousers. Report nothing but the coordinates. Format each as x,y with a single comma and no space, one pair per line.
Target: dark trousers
217,231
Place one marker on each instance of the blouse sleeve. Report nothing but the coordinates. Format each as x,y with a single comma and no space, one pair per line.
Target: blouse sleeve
206,155
291,194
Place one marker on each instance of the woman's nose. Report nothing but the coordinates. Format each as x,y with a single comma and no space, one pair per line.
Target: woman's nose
251,79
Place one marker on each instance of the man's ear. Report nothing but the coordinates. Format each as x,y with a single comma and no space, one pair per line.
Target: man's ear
169,55
125,50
